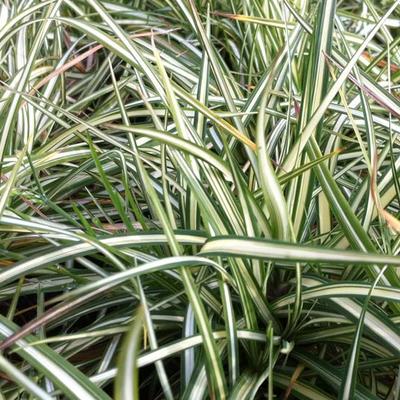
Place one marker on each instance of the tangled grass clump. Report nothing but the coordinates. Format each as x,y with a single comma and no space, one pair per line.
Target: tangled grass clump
199,199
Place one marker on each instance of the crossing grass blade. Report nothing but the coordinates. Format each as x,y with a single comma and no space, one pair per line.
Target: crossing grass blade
127,379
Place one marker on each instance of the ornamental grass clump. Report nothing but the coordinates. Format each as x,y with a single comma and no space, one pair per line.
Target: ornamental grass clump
199,199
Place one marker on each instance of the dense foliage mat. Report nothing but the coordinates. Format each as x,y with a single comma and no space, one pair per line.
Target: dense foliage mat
199,199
